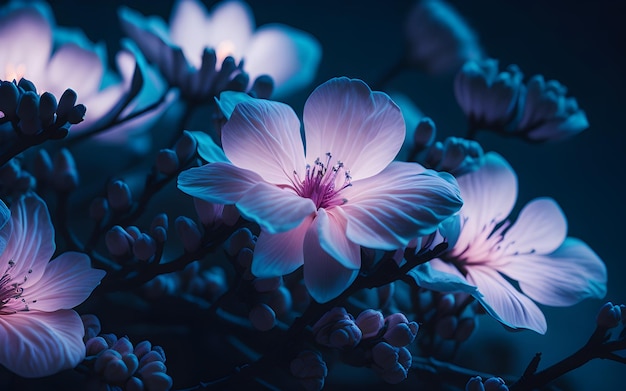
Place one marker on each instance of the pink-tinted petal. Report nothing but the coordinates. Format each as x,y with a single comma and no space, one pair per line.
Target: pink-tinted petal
570,274
31,244
264,137
68,281
540,228
361,128
189,29
221,183
504,302
74,67
279,254
324,276
332,228
37,344
26,42
231,24
402,202
274,209
488,197
299,54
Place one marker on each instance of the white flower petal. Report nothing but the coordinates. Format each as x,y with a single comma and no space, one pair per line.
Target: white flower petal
402,202
540,228
489,195
279,254
324,276
361,128
74,67
231,24
68,281
332,233
570,274
189,29
274,209
221,183
504,302
37,344
264,137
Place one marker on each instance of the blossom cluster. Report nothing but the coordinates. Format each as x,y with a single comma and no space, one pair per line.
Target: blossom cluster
187,201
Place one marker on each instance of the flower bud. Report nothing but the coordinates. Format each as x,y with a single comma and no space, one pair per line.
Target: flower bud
104,358
47,109
370,322
64,174
310,368
119,196
475,384
95,345
263,87
123,346
189,233
425,133
609,316
262,317
238,240
118,241
384,355
134,384
337,329
144,247
185,146
166,161
401,334
28,111
109,338
115,371
92,326
495,384
142,348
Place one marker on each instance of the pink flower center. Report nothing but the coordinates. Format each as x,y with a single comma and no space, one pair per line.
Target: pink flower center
320,183
11,292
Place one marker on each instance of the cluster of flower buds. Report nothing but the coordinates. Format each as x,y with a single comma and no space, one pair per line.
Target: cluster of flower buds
31,114
454,155
447,319
438,39
491,384
370,340
170,161
120,364
207,284
59,172
14,179
610,316
499,101
123,243
309,367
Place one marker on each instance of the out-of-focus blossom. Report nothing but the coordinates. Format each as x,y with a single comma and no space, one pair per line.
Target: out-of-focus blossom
549,267
318,209
499,101
202,51
40,334
56,59
438,39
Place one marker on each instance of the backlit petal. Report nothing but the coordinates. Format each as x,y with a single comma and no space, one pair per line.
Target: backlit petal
31,244
489,195
540,228
299,54
274,209
570,274
332,232
402,202
189,29
68,281
74,67
324,276
361,128
264,137
504,302
221,183
37,344
279,254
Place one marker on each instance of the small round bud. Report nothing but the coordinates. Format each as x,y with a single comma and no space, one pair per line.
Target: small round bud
384,355
115,371
142,348
95,345
401,334
370,322
262,317
134,384
238,240
92,326
104,358
185,146
263,87
189,233
495,384
425,133
123,346
166,161
119,196
144,247
118,241
609,316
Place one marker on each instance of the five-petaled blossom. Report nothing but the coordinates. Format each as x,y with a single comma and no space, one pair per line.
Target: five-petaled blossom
490,251
191,50
40,334
318,209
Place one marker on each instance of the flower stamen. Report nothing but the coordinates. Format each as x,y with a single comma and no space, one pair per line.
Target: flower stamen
320,182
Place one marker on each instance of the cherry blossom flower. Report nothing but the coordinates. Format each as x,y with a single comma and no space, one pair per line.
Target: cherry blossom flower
55,59
191,52
318,209
490,251
40,334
